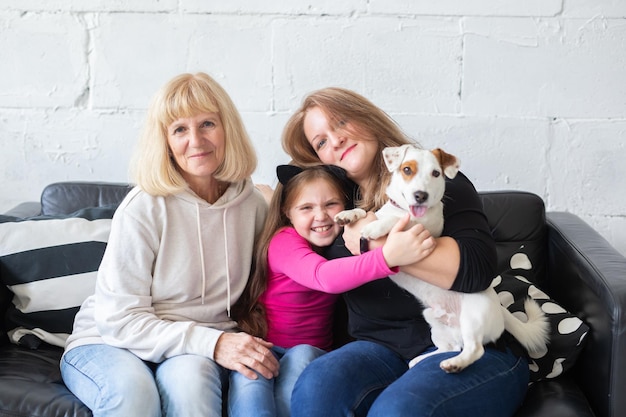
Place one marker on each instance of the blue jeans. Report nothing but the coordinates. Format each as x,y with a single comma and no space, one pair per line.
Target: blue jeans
367,379
115,382
270,397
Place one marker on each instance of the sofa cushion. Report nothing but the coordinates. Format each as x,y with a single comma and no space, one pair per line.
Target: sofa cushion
31,384
567,332
50,265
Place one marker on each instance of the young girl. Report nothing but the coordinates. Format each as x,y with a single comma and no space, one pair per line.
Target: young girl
291,297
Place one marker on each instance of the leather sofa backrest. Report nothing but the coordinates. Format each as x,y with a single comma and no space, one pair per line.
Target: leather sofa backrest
67,197
518,223
517,218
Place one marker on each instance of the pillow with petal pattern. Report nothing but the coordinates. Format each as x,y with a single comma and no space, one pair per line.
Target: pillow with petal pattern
567,332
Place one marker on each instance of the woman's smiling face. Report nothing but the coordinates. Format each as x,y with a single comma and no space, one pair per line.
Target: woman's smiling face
197,146
338,146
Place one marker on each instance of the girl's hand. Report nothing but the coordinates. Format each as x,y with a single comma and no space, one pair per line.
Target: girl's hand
246,354
406,247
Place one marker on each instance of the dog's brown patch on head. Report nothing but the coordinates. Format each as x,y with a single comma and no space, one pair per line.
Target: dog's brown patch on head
445,159
408,170
449,163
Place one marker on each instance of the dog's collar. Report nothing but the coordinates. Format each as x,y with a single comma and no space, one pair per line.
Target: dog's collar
393,203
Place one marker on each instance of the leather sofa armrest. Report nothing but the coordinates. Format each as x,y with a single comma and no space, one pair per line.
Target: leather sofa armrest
26,209
588,276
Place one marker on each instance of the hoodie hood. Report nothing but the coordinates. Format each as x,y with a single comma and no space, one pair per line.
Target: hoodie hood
234,194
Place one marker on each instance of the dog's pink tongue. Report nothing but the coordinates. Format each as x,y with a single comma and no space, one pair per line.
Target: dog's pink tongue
418,211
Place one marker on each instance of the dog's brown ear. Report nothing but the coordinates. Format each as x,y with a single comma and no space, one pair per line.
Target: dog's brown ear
393,156
449,163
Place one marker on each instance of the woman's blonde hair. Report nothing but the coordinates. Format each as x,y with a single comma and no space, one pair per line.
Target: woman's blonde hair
248,311
369,121
154,170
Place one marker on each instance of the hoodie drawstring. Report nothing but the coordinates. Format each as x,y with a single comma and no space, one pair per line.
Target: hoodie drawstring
200,244
227,258
199,228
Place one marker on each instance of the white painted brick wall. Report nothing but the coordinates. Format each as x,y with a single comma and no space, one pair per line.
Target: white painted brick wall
530,95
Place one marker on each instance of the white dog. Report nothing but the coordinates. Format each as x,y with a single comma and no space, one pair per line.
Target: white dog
458,321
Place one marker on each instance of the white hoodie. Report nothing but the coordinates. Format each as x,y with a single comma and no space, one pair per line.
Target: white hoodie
170,273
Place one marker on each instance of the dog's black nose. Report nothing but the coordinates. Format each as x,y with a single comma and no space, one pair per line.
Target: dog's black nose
421,196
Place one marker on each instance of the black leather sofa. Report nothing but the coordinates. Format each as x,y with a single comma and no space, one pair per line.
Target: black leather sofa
574,265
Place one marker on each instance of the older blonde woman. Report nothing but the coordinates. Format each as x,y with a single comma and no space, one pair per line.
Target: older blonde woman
157,338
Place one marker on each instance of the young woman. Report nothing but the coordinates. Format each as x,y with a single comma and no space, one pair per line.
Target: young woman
370,376
157,338
290,299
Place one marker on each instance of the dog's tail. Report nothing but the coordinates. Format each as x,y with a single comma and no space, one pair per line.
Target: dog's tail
532,334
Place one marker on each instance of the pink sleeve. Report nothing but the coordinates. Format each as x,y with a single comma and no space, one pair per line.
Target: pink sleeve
291,255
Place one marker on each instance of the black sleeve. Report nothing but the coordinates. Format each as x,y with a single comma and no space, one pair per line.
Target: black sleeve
465,221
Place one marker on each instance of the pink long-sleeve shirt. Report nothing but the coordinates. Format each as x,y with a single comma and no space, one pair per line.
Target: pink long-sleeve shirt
303,286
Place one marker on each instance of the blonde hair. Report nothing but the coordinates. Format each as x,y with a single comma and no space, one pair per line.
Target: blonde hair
186,95
341,105
248,311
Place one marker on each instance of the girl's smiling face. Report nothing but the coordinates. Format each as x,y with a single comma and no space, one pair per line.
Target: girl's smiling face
313,211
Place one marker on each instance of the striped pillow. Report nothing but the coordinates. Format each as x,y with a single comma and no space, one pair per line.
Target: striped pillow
50,266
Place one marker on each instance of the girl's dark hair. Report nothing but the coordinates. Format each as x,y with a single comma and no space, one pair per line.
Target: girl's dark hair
249,311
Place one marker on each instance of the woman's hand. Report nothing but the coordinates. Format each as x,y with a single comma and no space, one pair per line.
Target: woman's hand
405,247
245,354
352,234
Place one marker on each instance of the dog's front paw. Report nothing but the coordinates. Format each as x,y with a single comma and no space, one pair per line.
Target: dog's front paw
373,230
348,216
